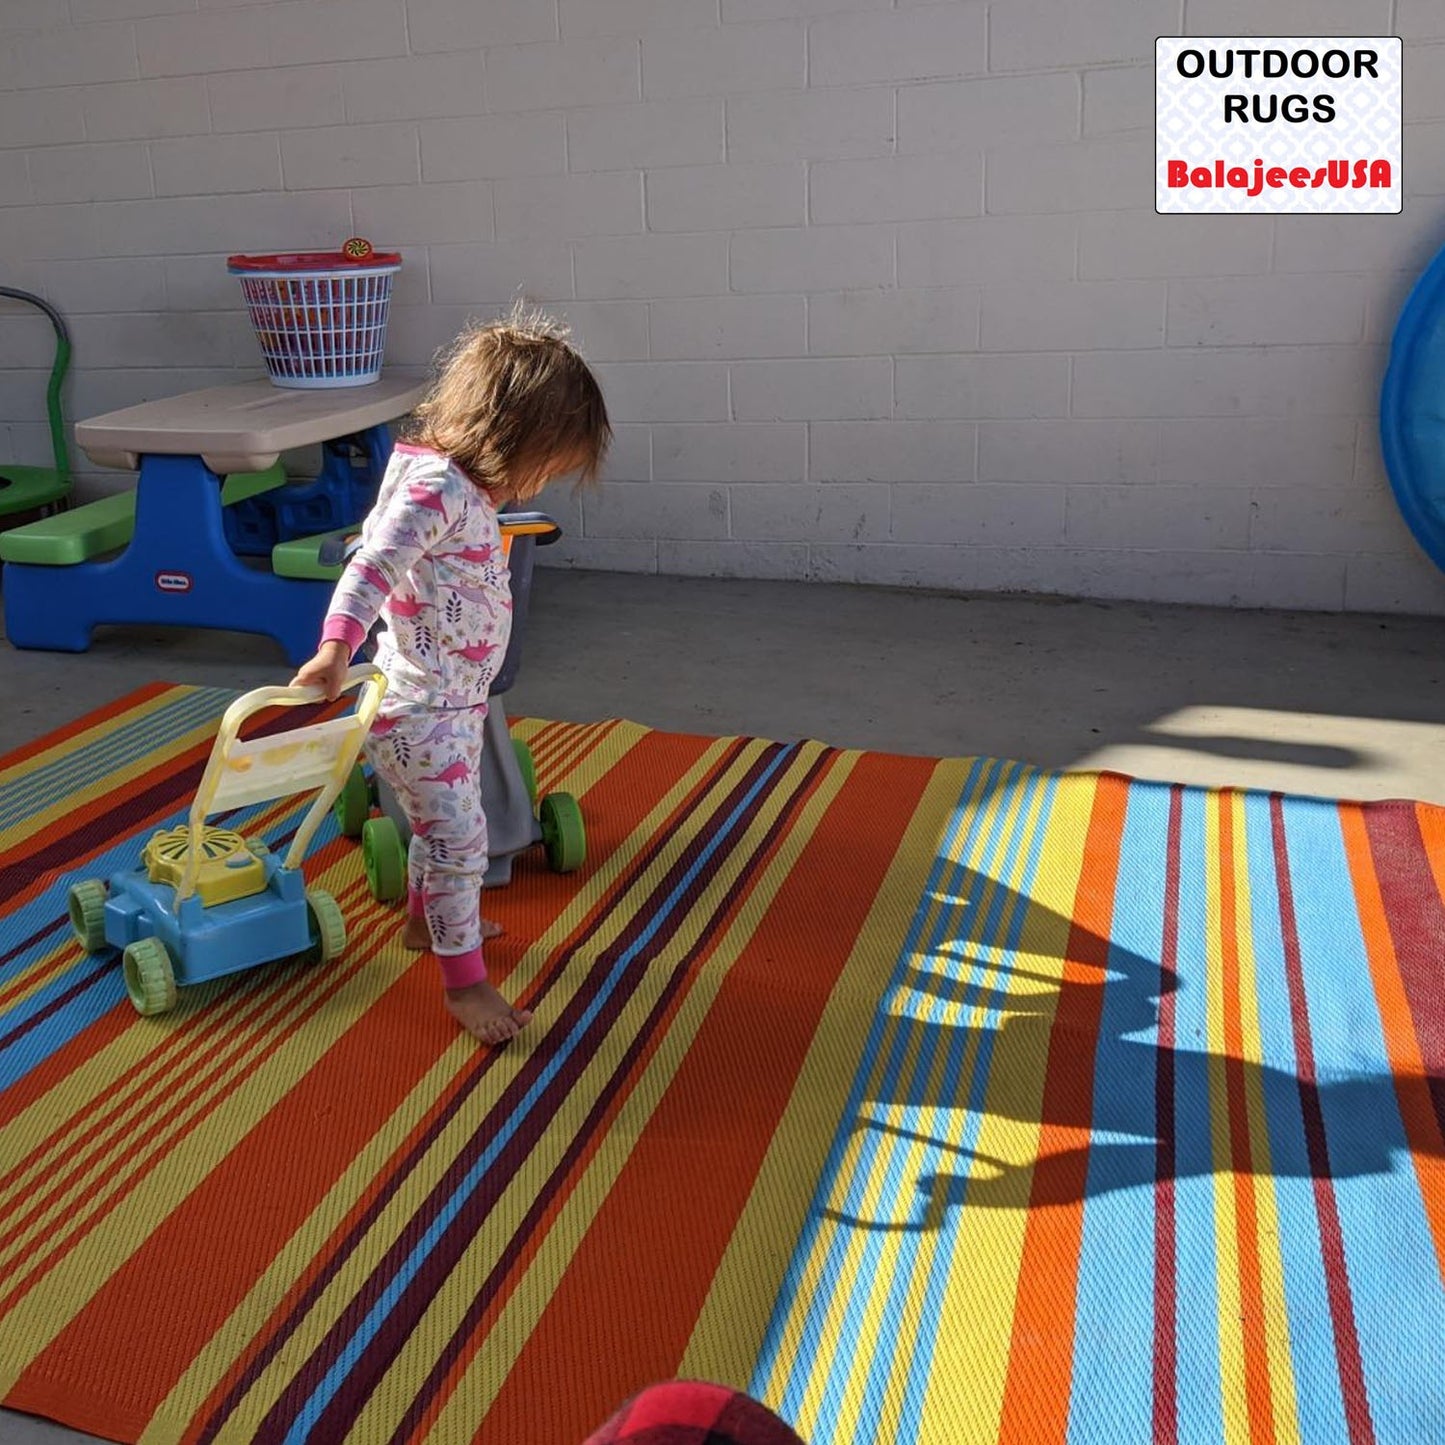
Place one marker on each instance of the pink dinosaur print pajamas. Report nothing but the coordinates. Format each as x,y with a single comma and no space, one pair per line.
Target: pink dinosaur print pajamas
431,565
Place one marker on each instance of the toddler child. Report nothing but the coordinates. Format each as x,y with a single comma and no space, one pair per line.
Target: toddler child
513,408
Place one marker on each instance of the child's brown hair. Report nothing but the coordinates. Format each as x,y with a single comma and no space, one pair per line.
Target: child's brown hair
514,397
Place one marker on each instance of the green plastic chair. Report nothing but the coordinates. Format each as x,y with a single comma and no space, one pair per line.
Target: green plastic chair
42,489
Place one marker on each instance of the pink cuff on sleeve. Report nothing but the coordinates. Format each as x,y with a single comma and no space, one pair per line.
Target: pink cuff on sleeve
341,628
462,969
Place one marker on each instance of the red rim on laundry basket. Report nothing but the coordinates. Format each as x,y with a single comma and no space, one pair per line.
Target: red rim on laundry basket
319,316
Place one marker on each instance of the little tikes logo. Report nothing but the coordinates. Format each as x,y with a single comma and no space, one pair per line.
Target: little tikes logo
1264,125
174,581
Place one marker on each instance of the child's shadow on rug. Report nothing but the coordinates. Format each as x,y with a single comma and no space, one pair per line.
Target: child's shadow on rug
1148,1103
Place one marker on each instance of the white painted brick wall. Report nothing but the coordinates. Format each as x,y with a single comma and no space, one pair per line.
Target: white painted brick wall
875,288
1112,517
1424,97
728,326
731,451
981,387
632,17
1041,34
727,197
71,57
421,215
1265,310
816,125
742,59
651,510
986,250
609,267
570,72
978,514
494,272
607,330
201,165
900,188
1109,174
350,155
1121,244
110,172
269,100
570,206
1119,101
1069,450
836,512
1419,20
462,24
947,114
484,147
48,117
1290,17
1072,315
799,260
144,111
893,322
781,561
812,390
916,44
662,392
891,451
658,133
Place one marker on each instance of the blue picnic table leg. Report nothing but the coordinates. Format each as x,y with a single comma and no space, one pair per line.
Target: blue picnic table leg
177,571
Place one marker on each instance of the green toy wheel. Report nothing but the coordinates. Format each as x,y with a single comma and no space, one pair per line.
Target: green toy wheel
563,835
87,913
527,768
328,927
384,859
150,980
353,804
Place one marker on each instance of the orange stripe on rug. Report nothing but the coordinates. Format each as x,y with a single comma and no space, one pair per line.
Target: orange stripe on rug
1407,1061
524,909
108,712
1036,1392
1246,1215
808,918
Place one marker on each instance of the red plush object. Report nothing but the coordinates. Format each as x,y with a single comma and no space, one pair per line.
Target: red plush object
691,1412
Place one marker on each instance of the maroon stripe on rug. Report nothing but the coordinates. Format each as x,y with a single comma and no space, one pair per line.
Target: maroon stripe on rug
1166,1298
100,966
1416,919
488,1293
462,1093
1351,1365
95,832
445,1252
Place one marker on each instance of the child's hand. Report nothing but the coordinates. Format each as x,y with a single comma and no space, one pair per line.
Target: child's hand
327,670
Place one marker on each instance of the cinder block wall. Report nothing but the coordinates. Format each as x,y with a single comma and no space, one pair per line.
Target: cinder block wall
876,290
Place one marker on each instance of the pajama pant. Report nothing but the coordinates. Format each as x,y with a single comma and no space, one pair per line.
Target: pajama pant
432,762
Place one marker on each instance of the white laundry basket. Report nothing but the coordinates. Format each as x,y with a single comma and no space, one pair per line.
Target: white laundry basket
320,316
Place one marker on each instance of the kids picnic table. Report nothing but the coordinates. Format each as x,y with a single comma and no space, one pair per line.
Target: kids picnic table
179,566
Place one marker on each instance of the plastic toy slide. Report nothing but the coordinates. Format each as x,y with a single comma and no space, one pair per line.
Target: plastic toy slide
1412,411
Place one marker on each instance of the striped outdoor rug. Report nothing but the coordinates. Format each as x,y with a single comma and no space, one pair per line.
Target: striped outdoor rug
930,1101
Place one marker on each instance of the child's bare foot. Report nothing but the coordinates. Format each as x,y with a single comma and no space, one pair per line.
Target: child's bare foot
417,935
485,1014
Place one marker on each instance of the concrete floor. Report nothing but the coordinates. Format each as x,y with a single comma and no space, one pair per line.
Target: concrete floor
1308,702
1345,706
